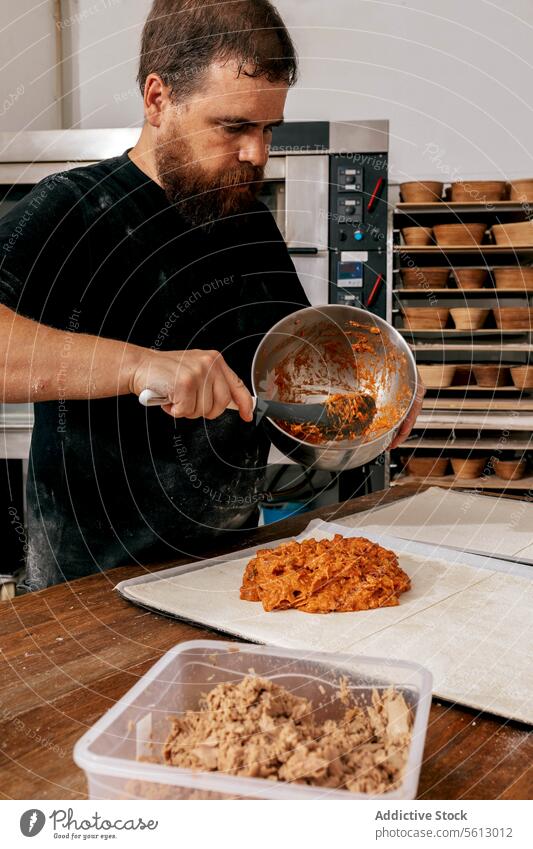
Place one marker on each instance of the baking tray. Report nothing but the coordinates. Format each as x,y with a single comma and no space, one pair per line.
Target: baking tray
466,618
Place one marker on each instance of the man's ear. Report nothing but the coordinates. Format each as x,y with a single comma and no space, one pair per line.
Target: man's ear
156,99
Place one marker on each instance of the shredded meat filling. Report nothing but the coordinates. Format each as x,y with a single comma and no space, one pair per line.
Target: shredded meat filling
342,574
259,729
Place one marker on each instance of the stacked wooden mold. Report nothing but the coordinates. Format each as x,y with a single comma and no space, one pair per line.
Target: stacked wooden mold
462,298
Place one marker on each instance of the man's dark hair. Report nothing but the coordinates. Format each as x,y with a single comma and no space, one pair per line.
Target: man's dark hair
181,39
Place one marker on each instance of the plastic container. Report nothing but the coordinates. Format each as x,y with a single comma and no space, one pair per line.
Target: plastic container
139,723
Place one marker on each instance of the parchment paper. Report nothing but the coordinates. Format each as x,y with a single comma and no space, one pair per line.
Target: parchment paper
466,520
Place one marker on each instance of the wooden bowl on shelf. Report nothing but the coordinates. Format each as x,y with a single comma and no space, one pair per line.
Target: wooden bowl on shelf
422,191
510,470
469,318
426,467
425,318
470,278
490,376
522,377
417,237
521,190
513,318
517,235
514,277
425,278
463,376
437,375
478,191
468,468
459,235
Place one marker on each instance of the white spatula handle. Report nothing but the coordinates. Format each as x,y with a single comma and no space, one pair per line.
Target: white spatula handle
149,398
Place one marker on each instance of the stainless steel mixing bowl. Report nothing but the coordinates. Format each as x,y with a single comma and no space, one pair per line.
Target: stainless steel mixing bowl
332,349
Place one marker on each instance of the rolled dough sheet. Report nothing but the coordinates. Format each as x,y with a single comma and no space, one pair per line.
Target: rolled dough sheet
476,523
210,597
526,554
477,643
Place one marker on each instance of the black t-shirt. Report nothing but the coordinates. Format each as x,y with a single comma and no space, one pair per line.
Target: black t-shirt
100,250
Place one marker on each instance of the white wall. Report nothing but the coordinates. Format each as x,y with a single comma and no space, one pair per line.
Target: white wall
101,51
453,76
29,91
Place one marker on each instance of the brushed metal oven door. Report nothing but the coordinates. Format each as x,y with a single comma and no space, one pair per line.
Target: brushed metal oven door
313,272
307,202
296,191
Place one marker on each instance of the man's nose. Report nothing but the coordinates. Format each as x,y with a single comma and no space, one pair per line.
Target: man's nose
255,151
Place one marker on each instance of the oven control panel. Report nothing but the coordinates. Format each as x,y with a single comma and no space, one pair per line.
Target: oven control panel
350,179
358,208
358,230
359,280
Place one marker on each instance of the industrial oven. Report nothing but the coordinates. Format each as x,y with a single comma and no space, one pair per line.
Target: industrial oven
327,187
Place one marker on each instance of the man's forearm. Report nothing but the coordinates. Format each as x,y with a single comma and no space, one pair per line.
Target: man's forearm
39,363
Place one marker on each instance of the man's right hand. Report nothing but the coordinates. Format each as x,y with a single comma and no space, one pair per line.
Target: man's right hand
200,384
41,363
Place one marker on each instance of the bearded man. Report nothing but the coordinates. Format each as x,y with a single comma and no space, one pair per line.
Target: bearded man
156,269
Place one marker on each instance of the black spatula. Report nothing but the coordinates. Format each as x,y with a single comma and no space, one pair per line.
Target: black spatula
350,413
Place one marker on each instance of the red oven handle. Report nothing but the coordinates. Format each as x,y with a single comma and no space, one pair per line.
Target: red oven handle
375,194
375,290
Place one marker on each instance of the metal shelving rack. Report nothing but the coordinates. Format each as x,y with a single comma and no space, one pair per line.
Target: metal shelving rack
464,418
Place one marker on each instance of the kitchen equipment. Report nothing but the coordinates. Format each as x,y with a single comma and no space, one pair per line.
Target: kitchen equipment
490,376
514,277
513,318
425,278
425,318
421,191
327,186
522,377
468,467
426,467
478,191
436,376
417,236
458,419
107,752
451,620
352,413
470,278
459,235
469,318
343,349
517,235
521,190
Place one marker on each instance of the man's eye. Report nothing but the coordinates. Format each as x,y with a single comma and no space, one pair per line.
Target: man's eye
233,128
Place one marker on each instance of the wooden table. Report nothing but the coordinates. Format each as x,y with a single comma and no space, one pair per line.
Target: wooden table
70,652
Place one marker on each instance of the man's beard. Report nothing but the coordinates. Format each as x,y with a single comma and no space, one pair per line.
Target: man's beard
202,198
